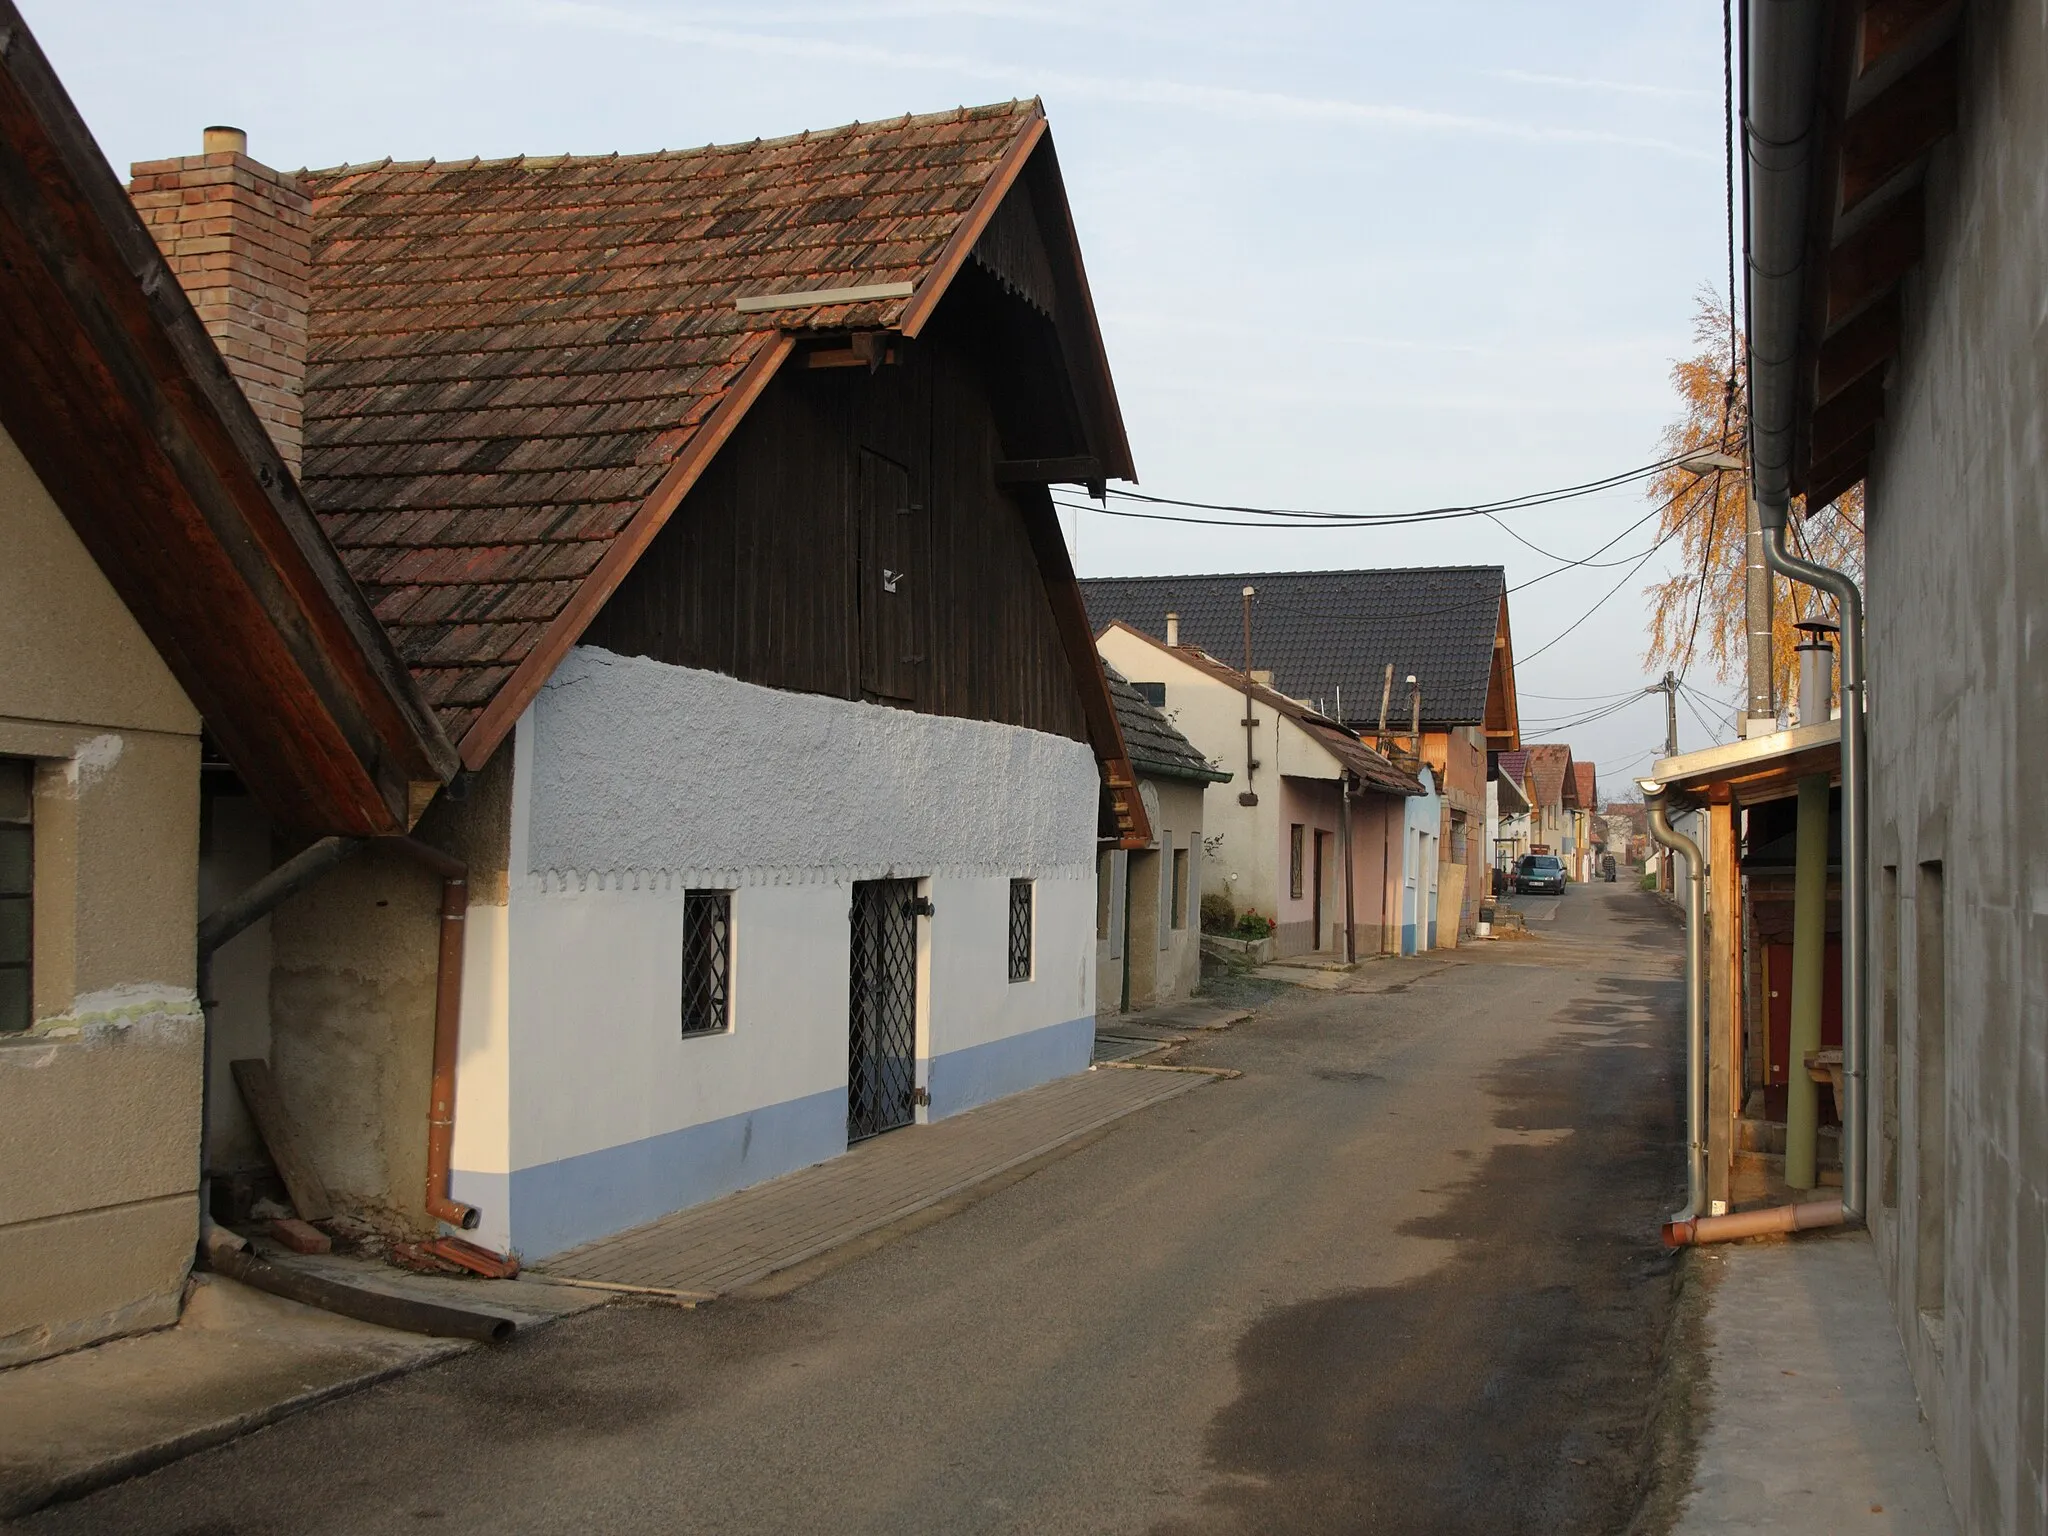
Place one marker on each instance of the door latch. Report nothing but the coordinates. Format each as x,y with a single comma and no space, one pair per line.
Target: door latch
890,578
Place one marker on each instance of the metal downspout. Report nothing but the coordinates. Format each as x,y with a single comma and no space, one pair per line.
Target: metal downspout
1695,1000
1855,845
1781,51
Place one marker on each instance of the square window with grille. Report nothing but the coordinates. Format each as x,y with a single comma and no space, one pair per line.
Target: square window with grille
1020,930
707,962
17,900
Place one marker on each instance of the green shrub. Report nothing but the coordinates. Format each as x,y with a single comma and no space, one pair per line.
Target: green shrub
1252,926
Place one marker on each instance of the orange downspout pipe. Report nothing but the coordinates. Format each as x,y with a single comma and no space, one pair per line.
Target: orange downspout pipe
447,1032
1686,1232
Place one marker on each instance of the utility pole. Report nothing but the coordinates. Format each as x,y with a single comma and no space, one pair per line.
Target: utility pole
1670,692
1759,593
1249,796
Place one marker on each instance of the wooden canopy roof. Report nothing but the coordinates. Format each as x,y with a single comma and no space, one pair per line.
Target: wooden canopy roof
120,402
1886,94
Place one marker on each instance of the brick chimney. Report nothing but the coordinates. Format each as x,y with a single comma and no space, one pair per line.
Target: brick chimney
239,237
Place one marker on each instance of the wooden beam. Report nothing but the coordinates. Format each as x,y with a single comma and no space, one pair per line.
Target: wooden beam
1839,479
1860,347
1844,418
1899,125
1826,478
266,1107
1891,25
1080,469
1868,265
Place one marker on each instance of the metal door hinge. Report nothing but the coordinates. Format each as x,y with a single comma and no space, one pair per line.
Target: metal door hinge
921,906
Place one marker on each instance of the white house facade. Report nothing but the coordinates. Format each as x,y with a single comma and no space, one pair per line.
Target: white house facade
591,1099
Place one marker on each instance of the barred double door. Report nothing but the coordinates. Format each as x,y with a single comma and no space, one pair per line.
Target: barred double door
881,1059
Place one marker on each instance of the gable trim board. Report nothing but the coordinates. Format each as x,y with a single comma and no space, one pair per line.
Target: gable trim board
160,465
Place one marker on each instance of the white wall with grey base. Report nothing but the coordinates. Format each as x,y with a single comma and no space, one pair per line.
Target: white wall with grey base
583,1106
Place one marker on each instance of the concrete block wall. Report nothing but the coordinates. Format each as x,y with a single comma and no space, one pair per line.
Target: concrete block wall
1957,603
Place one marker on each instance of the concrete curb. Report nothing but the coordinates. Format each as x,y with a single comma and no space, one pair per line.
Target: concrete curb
19,1499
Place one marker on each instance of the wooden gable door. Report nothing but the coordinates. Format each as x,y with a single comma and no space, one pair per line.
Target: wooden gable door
894,574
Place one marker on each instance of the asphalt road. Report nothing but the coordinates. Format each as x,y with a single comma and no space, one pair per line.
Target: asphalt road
1401,1276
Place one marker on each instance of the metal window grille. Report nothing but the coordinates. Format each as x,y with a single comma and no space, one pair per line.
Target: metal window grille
1020,930
17,871
1180,887
881,1076
1295,841
707,961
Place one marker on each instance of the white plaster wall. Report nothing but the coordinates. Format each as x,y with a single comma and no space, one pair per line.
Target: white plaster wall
599,1058
695,778
1209,714
636,781
973,1001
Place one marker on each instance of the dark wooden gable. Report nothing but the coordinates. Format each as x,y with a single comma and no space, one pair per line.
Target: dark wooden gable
852,539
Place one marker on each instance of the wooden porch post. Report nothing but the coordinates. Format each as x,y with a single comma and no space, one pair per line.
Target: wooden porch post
1724,999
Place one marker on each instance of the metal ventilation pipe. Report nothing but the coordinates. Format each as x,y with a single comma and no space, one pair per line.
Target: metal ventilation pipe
1781,51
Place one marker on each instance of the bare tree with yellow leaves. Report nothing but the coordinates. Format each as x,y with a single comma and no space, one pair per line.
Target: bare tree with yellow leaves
1699,613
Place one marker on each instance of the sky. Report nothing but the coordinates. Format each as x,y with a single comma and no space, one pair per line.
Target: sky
1354,256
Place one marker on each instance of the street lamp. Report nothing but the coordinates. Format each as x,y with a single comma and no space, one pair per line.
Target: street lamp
1705,463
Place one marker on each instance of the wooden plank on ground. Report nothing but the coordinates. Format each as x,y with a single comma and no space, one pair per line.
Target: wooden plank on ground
266,1108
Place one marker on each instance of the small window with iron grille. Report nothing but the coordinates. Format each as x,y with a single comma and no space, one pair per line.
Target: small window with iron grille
17,884
707,962
1295,836
1020,930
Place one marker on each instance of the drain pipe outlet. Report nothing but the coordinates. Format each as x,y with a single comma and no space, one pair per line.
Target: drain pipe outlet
454,874
1855,845
1695,996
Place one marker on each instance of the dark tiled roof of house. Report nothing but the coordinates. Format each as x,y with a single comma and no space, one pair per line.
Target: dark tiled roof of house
1515,765
1320,632
507,357
1371,768
1549,764
1154,745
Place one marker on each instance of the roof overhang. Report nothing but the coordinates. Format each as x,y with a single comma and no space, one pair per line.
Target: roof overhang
1510,797
122,405
1755,770
1884,93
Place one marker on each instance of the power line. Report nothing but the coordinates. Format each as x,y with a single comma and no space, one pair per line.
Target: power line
1261,517
1575,623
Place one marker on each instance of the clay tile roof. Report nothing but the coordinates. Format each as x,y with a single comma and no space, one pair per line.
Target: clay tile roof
1587,785
1548,765
1154,745
507,356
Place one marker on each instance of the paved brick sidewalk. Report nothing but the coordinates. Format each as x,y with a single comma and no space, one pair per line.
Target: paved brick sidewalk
733,1242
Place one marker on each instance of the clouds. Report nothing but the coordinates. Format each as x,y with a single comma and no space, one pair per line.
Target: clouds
818,46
